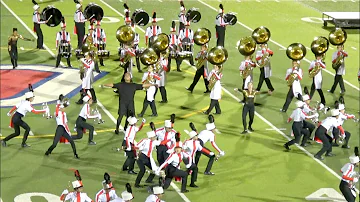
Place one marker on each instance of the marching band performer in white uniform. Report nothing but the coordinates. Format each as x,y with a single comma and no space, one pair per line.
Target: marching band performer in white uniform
108,193
87,78
79,28
317,80
163,60
186,36
350,178
63,38
77,195
265,72
338,79
215,94
153,30
166,136
336,132
95,42
244,65
151,78
295,88
158,193
174,44
37,22
100,36
127,50
182,16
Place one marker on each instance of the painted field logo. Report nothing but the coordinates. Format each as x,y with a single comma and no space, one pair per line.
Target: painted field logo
48,83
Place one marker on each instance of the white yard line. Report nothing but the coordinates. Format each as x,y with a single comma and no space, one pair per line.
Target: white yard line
277,1
281,46
270,124
186,199
315,1
353,48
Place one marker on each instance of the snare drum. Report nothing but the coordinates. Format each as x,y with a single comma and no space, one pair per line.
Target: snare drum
140,17
102,52
55,13
173,51
65,50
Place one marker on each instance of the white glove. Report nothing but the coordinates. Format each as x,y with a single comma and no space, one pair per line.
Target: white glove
8,114
65,192
188,165
144,120
295,72
356,180
99,116
222,153
157,172
212,154
316,115
47,111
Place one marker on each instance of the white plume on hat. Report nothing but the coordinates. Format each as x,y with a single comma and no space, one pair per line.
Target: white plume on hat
35,7
168,124
334,112
29,95
354,159
78,6
210,126
62,24
192,134
158,190
105,185
341,106
151,134
299,103
76,184
132,120
306,97
126,196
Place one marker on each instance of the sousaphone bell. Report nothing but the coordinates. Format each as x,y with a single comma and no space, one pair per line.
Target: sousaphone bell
202,36
216,56
246,46
125,34
160,43
149,57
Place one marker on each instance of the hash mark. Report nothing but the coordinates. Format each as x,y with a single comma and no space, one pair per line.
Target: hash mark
160,0
277,1
308,48
238,0
331,48
257,0
353,47
353,1
315,1
334,0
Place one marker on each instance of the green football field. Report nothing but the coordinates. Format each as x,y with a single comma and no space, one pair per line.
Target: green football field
255,167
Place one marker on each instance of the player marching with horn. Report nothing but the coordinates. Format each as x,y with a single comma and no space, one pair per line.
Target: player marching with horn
263,56
87,77
37,21
162,66
12,46
152,31
129,144
246,71
316,66
173,45
107,193
93,43
100,36
21,109
350,177
62,129
202,69
63,44
215,94
150,77
220,27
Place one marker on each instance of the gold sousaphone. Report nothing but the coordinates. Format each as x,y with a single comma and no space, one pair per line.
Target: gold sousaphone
319,46
201,37
337,38
246,47
160,43
296,52
217,56
262,35
125,34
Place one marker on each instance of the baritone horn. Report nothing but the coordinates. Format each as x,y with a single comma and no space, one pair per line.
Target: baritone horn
319,46
246,46
217,56
296,52
262,35
337,38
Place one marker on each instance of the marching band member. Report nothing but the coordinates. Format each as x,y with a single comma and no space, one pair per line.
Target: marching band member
152,31
220,27
127,65
182,16
163,60
62,130
359,75
149,99
166,136
186,36
172,167
308,127
126,196
62,38
317,79
79,28
129,144
350,177
265,72
12,46
246,71
91,37
215,94
202,71
295,88
100,38
340,71
77,195
321,133
136,47
146,147
156,196
298,116
87,77
342,117
205,136
174,43
108,192
37,21
81,124
16,120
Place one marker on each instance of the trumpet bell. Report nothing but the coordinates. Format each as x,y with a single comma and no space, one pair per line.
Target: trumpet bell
217,55
320,45
161,43
337,37
261,35
125,34
296,51
202,36
149,57
246,46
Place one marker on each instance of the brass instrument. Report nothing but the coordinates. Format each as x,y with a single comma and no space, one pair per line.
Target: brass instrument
160,43
262,35
201,60
125,34
338,38
149,57
319,46
295,51
89,46
202,36
246,47
217,56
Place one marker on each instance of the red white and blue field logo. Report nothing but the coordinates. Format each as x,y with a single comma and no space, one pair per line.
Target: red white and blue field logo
48,83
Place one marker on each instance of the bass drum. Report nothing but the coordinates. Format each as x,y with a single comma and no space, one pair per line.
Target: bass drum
230,18
93,11
194,15
55,20
140,17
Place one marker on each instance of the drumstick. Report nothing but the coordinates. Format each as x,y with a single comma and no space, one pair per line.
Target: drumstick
140,21
49,17
91,16
186,131
193,18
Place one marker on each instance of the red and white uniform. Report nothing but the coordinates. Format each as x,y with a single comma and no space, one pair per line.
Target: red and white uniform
62,37
36,19
85,112
318,77
93,35
123,53
296,86
216,90
206,136
166,138
243,66
61,120
174,39
219,21
186,33
78,18
152,31
147,146
77,197
348,171
102,196
341,70
164,67
192,146
100,35
175,159
152,89
206,69
24,107
153,198
331,122
130,134
259,55
89,66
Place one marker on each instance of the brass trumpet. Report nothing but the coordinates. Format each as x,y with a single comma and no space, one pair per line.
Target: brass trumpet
337,38
319,46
